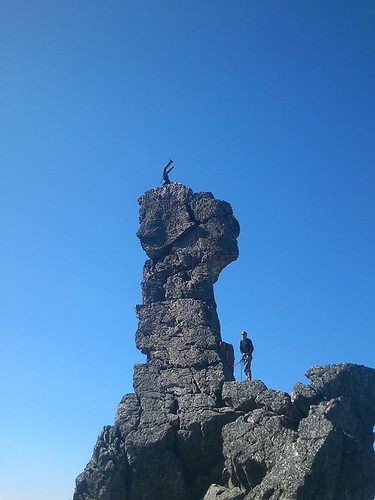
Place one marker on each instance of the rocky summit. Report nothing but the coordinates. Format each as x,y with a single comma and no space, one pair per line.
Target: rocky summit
189,431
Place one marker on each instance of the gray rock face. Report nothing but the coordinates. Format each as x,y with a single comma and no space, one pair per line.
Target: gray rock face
318,444
189,431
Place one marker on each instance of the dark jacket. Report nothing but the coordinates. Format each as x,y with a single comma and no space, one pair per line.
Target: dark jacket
246,347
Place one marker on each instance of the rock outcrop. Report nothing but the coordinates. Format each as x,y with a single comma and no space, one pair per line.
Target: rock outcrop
190,431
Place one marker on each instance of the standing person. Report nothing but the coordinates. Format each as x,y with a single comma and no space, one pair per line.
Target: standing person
246,348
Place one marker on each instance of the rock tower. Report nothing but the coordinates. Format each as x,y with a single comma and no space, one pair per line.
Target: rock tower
190,431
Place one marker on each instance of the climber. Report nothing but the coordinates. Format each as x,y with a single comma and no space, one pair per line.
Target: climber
165,180
246,348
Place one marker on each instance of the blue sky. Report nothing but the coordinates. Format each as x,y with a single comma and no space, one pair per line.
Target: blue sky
268,105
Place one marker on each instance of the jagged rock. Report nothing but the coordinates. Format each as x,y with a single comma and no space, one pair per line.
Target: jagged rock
242,395
356,383
216,491
303,396
163,218
105,476
275,451
189,431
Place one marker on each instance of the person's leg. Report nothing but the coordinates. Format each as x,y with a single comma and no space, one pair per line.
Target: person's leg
246,368
248,374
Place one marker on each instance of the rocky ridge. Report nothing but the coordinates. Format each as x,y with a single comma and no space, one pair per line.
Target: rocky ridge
190,431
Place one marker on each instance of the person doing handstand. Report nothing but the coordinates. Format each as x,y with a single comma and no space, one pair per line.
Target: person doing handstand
165,180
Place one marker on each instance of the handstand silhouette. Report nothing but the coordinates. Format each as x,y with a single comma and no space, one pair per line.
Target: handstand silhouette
165,180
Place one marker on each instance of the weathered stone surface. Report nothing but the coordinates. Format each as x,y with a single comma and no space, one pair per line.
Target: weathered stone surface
303,396
356,383
242,395
324,452
105,476
169,431
189,431
163,218
216,491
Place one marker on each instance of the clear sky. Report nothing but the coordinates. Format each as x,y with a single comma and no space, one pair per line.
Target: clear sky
268,105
